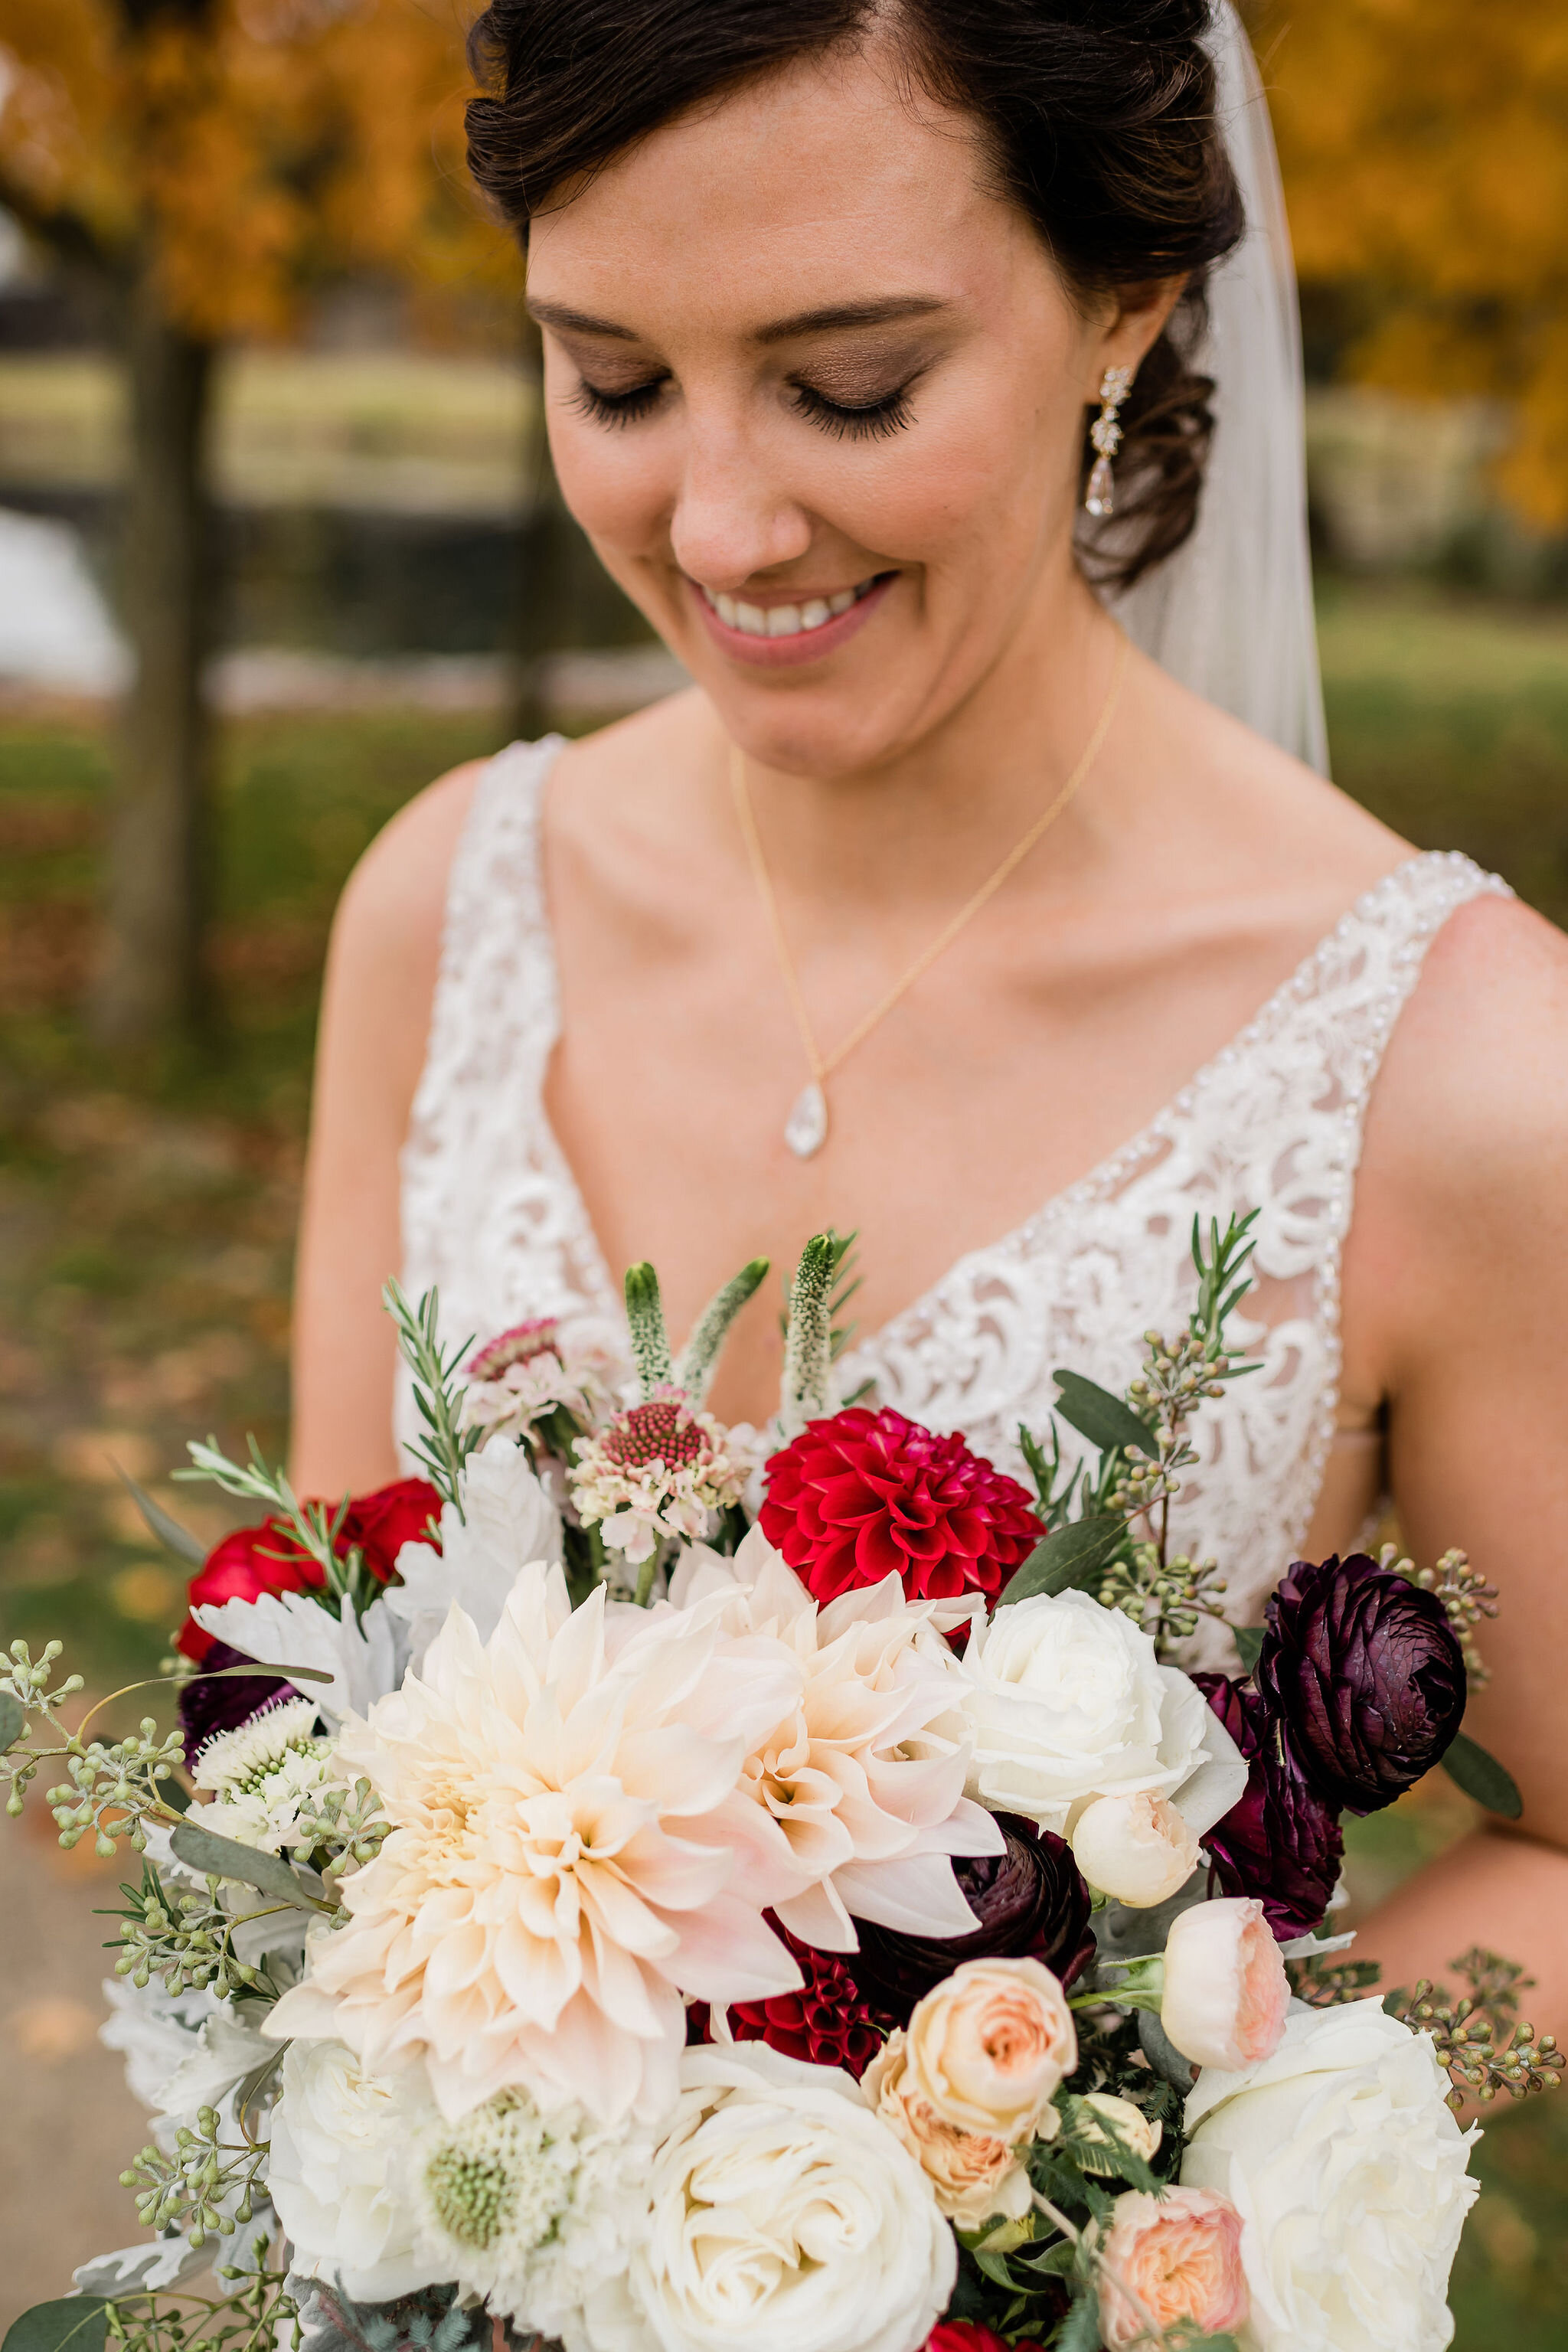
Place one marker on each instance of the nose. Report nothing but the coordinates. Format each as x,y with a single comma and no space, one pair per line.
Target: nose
733,518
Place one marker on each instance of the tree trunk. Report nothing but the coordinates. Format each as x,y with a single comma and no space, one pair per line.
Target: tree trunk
151,987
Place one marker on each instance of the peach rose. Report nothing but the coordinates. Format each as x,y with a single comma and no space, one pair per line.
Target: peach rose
1226,1992
1179,2254
973,2174
989,2046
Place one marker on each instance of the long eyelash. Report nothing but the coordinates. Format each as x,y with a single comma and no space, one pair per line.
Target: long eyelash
617,408
873,422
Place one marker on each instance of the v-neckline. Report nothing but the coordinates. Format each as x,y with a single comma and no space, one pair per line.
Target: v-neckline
1106,1174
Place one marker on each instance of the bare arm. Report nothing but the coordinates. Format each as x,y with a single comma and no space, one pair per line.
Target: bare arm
1461,1239
375,1015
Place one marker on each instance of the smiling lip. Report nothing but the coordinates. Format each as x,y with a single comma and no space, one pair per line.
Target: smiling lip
809,639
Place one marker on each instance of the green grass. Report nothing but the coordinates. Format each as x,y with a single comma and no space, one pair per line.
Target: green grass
146,1229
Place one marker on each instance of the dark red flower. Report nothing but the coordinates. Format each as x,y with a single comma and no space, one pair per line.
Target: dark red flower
826,2023
383,1522
968,2335
867,1493
207,1708
1280,1842
269,1559
1031,1903
1365,1673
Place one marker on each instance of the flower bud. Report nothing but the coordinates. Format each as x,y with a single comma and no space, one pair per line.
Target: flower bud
1138,1850
1103,2120
1226,1988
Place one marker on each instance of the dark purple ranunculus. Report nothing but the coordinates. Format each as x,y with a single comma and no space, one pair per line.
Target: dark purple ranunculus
207,1708
1281,1843
1365,1674
1031,1901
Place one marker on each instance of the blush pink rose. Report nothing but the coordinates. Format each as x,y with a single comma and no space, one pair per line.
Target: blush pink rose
1226,1988
1180,2255
988,2047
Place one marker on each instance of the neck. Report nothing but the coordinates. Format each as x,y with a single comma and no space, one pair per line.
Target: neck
931,811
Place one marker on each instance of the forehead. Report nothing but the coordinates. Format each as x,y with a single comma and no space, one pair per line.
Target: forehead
829,181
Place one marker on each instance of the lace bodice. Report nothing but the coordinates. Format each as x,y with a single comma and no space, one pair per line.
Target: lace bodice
492,1214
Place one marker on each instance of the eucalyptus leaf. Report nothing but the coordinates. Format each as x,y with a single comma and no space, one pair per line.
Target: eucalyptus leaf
995,2268
1249,1645
76,2323
1482,1777
1070,1557
222,1857
249,1671
13,1720
169,1532
1102,1418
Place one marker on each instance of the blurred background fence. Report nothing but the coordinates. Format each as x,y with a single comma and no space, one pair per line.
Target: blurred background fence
278,543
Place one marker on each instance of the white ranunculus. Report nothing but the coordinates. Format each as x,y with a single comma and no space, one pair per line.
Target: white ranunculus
337,2176
1138,1850
786,2217
1067,1701
1348,2169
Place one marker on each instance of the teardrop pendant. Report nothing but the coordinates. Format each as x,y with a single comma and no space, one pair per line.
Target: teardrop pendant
806,1129
1101,487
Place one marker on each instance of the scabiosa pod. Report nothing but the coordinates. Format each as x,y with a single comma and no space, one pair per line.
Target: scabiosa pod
659,1472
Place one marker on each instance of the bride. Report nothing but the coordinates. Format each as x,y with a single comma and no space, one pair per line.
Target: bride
940,907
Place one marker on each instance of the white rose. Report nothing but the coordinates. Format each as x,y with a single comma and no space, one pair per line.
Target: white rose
1067,1701
1348,2169
336,2175
786,2217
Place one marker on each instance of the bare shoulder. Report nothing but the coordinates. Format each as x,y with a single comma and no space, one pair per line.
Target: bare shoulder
399,888
1463,1202
1477,1068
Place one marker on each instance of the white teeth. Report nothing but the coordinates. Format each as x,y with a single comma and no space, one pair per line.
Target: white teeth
783,620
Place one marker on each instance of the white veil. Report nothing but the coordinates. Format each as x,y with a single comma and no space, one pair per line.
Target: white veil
1230,613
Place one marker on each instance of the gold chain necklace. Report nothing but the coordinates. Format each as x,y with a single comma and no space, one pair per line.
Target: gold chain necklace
806,1129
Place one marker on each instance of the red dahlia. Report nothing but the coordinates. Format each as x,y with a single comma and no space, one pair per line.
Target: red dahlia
865,1492
826,2023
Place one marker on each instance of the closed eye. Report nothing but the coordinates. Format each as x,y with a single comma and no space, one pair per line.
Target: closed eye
618,407
860,420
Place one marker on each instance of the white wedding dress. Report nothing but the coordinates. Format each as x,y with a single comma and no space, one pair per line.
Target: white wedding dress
492,1215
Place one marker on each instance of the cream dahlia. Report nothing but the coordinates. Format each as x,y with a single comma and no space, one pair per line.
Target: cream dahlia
566,1858
858,1775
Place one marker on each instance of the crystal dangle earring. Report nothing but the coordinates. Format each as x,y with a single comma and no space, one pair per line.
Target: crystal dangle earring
1106,435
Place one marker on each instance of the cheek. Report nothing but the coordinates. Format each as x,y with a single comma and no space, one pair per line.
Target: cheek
616,481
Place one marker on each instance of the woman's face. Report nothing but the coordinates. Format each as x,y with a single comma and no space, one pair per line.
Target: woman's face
816,397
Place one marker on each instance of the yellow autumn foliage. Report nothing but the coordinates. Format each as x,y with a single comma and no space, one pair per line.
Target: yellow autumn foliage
253,146
1424,148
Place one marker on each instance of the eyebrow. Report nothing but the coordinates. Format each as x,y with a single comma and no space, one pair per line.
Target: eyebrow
834,318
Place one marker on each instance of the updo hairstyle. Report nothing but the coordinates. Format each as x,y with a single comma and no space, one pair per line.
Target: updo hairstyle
1099,115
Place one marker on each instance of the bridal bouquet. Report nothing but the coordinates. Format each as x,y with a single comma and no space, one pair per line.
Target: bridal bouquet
661,1887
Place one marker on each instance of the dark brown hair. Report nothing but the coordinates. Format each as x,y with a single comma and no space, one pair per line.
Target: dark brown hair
1099,115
